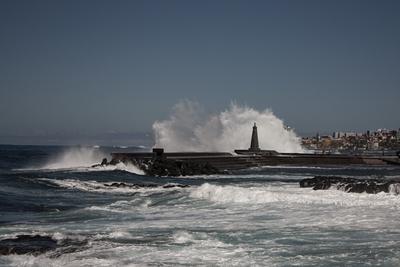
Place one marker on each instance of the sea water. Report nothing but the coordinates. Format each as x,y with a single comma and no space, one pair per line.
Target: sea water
255,217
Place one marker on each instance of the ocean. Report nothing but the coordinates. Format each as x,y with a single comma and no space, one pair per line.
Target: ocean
255,217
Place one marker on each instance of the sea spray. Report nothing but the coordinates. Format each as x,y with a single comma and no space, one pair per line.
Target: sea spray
75,157
189,129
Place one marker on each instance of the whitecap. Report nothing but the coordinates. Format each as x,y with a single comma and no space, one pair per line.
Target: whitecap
290,194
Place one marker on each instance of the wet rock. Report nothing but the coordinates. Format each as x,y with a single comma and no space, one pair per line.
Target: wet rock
352,185
175,185
126,185
323,185
103,163
114,162
168,167
137,186
38,244
27,244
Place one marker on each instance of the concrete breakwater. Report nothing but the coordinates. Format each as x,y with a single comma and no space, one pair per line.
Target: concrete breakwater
159,163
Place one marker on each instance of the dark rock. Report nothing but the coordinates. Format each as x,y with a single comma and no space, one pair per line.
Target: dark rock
114,162
27,244
357,187
169,167
175,185
103,163
137,186
351,185
323,185
161,166
38,244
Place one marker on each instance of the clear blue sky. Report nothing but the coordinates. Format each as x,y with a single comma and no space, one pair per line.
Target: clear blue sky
95,67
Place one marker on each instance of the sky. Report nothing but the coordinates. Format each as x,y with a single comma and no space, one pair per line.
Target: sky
84,69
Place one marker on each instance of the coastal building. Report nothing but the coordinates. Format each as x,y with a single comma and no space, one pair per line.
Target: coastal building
350,141
338,135
349,134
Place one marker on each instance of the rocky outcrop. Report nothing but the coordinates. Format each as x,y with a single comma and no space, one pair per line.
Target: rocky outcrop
137,186
168,167
104,162
38,244
352,185
27,244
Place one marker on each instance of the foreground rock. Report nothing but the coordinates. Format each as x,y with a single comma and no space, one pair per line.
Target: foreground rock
352,185
38,244
27,244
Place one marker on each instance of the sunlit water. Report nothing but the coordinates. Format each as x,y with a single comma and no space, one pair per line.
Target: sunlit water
258,217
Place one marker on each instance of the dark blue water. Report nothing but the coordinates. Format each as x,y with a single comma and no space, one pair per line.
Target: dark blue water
257,217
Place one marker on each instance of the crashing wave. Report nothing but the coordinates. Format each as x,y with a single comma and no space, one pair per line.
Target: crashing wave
128,167
189,129
75,158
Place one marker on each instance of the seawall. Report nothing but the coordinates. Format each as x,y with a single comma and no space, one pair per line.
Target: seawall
227,161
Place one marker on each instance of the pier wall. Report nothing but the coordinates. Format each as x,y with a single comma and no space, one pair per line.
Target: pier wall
227,161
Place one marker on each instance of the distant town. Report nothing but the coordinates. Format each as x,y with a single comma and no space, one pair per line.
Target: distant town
379,141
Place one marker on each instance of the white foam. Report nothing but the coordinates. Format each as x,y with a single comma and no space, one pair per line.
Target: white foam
128,167
197,239
114,234
285,224
66,260
271,177
91,186
182,237
290,194
101,187
394,188
190,129
122,206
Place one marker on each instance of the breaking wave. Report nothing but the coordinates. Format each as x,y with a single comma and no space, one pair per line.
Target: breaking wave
197,239
288,195
189,128
121,167
122,206
91,186
105,187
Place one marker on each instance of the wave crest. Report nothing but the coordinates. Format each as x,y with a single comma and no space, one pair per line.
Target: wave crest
128,167
290,195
